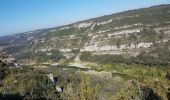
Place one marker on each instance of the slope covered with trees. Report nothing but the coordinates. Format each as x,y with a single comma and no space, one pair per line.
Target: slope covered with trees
123,56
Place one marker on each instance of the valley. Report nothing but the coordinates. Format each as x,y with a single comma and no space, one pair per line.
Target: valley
123,56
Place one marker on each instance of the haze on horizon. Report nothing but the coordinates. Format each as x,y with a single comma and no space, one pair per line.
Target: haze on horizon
25,15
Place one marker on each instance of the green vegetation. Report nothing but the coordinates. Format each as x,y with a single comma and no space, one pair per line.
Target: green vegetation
41,57
2,70
67,32
107,77
87,56
13,49
127,81
159,55
110,78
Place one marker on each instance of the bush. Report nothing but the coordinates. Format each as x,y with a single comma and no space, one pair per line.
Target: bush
87,56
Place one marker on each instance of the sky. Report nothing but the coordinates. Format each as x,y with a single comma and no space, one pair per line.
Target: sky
18,16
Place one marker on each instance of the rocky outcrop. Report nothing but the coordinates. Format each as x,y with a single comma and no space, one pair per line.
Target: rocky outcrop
51,77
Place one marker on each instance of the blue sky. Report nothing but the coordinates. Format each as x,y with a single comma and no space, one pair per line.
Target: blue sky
25,15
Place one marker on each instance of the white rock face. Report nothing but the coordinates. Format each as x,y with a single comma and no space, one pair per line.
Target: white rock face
64,28
95,36
105,22
48,54
53,30
93,48
72,36
89,48
68,55
124,32
103,31
132,45
30,38
165,40
128,26
54,64
144,45
40,66
167,32
51,77
58,89
165,29
108,48
43,50
84,25
65,50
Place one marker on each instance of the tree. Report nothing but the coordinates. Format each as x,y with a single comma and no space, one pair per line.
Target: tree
162,35
87,90
85,56
118,43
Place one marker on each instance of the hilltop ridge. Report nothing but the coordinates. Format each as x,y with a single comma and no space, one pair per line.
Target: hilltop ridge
128,34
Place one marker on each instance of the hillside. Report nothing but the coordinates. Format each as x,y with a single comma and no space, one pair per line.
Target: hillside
127,33
123,56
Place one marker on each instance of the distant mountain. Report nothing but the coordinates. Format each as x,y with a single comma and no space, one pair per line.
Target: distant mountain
128,33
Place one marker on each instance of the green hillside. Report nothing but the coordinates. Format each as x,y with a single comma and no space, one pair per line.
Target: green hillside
123,56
